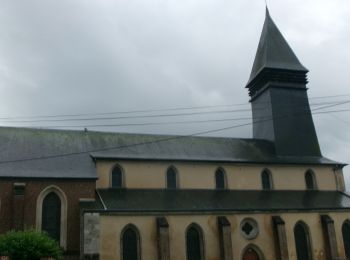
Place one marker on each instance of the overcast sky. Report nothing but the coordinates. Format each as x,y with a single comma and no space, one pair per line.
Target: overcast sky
86,57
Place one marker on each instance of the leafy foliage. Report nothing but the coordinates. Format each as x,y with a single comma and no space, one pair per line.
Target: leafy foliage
29,244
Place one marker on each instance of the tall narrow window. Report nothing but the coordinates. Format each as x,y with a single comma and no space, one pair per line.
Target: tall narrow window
346,238
194,243
130,244
266,180
117,177
171,178
310,180
302,241
51,216
220,179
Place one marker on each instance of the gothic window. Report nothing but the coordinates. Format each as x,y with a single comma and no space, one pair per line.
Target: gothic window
346,238
302,241
117,177
252,253
310,180
51,216
266,180
171,178
220,179
130,243
194,243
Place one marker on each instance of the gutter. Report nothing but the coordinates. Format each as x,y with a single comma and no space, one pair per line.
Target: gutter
102,202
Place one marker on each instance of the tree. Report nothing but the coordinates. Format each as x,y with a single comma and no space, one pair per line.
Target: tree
29,245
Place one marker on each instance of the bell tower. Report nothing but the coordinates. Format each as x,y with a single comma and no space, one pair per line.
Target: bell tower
280,106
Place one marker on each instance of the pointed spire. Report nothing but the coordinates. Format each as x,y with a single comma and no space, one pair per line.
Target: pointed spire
273,51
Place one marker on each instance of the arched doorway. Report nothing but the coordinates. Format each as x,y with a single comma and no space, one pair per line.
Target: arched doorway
251,254
51,216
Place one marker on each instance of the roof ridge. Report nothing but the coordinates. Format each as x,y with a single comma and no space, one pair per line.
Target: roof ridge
121,133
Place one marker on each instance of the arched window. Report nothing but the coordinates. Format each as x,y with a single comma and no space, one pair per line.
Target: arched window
194,243
51,216
51,213
346,238
220,179
302,241
266,180
117,177
252,252
130,241
310,180
171,178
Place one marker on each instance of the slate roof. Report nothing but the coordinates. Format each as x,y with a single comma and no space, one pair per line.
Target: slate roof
273,51
162,200
39,153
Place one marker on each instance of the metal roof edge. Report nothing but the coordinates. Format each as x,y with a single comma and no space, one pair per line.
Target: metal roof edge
211,211
109,157
49,178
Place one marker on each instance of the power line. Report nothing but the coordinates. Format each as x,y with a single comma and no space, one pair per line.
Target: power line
158,115
333,105
154,141
179,122
123,112
333,96
151,123
127,117
149,110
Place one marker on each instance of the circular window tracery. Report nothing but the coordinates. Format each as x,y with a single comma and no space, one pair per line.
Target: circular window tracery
249,228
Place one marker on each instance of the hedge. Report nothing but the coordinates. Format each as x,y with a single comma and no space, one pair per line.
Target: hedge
29,245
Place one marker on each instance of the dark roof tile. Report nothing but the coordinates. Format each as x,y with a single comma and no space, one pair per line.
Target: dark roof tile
160,200
274,51
67,154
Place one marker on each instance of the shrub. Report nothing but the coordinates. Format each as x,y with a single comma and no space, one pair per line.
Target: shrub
30,244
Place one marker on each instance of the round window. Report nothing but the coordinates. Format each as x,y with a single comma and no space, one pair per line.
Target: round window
249,228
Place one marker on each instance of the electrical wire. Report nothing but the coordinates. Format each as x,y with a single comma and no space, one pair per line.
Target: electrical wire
163,123
150,110
156,115
168,138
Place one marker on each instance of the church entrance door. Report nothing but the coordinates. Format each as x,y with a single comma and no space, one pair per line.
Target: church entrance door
250,254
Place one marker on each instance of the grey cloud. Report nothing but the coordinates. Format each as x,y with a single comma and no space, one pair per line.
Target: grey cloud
67,57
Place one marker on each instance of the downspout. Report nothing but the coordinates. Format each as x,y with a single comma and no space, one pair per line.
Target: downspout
339,186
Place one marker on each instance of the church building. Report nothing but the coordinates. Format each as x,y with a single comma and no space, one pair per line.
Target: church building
119,196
